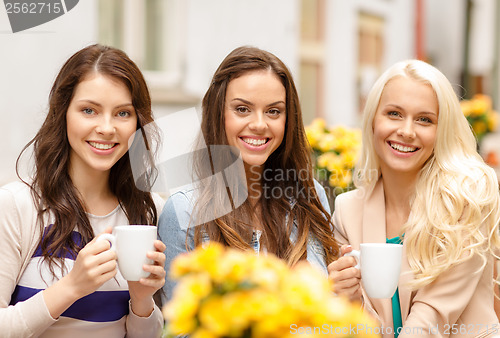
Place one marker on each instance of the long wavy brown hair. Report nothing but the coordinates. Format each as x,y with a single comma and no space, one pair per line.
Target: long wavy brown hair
51,186
300,204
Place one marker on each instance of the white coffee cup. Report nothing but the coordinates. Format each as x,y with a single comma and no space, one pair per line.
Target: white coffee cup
131,243
380,265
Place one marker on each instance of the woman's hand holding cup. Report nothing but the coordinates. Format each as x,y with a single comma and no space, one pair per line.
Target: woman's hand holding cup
140,261
142,291
345,277
379,268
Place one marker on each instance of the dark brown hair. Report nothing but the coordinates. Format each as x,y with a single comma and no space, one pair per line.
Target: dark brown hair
291,156
52,187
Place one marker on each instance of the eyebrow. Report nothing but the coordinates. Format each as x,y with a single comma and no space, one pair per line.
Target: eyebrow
401,108
100,105
251,104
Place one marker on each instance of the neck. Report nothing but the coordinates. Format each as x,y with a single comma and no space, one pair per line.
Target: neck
94,191
398,190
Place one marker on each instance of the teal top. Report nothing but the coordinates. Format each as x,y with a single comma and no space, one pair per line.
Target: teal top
396,307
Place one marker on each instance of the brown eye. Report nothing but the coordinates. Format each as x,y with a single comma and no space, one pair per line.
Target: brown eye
242,110
274,112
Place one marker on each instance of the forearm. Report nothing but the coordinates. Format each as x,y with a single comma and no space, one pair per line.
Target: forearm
60,296
29,318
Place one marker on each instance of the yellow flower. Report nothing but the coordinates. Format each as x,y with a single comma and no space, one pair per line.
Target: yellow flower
318,124
480,115
313,136
265,298
349,158
203,333
336,150
180,313
214,316
479,127
327,142
492,120
478,107
315,132
341,178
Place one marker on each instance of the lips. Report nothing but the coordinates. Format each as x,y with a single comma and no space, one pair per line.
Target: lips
402,148
256,142
101,145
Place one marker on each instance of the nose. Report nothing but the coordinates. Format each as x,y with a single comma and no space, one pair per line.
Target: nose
407,130
105,125
258,122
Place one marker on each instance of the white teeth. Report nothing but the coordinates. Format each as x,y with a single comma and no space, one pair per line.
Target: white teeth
403,149
255,142
102,146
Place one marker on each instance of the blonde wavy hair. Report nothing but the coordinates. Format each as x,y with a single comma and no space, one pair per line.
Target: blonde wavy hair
455,210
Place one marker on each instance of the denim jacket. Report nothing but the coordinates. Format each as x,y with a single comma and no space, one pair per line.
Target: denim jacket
174,224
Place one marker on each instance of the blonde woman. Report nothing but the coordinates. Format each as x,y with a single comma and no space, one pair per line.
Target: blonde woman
421,182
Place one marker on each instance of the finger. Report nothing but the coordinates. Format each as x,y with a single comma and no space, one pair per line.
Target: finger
155,270
93,248
346,273
103,278
157,256
98,247
346,283
160,246
108,230
345,249
341,264
152,283
105,256
106,267
354,292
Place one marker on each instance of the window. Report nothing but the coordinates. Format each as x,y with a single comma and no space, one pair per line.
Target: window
152,33
312,45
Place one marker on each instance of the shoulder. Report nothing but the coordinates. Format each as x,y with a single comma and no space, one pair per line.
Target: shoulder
319,188
353,198
15,188
158,201
178,209
184,199
18,213
16,195
323,199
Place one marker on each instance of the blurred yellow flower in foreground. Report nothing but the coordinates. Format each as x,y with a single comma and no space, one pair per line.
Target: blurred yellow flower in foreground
263,298
335,151
480,114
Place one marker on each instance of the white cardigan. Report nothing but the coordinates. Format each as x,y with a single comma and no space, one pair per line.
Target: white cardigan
19,236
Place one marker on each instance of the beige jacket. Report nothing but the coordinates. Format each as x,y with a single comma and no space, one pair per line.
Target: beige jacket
459,303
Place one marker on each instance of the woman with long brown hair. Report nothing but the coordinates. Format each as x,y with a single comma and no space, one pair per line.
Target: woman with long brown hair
251,112
56,279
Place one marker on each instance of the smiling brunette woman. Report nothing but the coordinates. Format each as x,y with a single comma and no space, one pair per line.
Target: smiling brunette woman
252,105
57,281
433,193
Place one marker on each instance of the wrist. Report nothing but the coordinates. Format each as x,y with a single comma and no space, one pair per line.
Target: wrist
59,296
142,308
